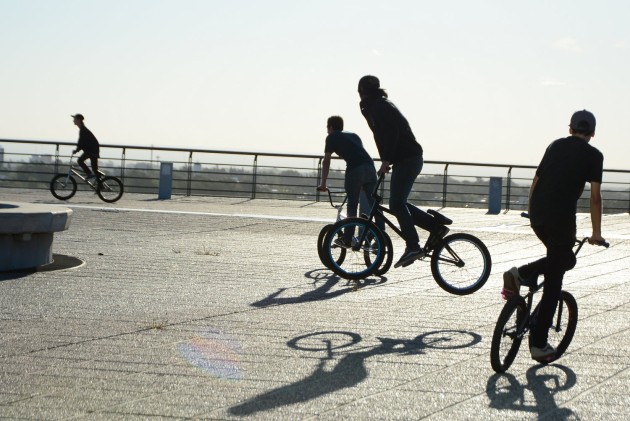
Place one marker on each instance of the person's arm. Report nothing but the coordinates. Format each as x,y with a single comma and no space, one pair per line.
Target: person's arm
325,171
596,212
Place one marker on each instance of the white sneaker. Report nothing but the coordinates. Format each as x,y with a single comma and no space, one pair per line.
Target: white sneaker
511,283
544,354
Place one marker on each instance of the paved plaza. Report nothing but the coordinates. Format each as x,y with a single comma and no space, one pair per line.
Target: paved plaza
216,308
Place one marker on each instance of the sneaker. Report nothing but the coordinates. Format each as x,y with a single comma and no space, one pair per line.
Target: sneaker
342,242
544,354
511,283
408,257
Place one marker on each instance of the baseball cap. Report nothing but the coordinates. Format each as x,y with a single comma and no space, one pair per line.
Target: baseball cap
369,83
79,116
583,121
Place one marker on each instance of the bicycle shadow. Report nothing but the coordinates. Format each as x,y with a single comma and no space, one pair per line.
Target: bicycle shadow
324,284
350,369
505,391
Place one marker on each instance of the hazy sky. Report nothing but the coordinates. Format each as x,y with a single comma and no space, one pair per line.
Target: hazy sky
480,81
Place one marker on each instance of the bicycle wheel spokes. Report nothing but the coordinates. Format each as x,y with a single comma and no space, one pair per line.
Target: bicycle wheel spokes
364,249
461,264
564,324
109,189
63,186
508,334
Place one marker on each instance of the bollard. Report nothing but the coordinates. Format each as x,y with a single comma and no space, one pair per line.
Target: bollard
494,195
166,180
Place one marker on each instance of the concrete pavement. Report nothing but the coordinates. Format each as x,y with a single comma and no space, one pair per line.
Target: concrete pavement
213,308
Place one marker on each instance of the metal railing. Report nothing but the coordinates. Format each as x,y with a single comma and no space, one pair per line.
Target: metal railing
256,175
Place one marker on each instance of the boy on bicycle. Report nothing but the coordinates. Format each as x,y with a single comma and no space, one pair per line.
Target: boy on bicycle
568,163
360,172
90,146
398,147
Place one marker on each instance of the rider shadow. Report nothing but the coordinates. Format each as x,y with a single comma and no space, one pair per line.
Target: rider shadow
324,282
349,370
505,392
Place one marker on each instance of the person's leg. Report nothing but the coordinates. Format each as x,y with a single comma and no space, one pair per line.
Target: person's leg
404,174
526,274
83,165
94,162
560,259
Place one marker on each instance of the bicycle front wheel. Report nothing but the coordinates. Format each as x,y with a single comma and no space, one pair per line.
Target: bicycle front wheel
564,324
363,257
508,334
461,264
63,186
109,189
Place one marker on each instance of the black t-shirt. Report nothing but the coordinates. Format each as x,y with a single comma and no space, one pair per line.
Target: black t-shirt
87,142
565,168
349,147
393,136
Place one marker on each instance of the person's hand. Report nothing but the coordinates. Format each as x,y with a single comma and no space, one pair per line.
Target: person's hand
385,167
596,239
322,187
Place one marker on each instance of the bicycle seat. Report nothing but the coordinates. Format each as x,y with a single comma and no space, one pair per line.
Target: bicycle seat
439,218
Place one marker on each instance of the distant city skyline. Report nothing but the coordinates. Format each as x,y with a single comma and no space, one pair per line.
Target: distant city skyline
485,82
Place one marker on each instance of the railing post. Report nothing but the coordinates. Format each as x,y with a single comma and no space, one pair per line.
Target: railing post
254,175
189,183
57,158
508,190
445,185
319,178
122,164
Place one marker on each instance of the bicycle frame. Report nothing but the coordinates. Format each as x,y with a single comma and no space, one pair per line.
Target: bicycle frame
530,320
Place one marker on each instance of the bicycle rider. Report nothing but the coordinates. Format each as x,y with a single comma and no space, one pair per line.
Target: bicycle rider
89,145
397,147
566,166
360,172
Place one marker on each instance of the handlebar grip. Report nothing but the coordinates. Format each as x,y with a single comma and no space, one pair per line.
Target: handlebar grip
603,244
525,215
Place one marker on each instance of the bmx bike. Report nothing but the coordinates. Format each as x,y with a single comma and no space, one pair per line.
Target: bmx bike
517,319
460,262
387,261
108,188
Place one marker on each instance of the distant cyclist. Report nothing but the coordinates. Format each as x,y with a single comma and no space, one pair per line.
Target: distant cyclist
566,166
89,145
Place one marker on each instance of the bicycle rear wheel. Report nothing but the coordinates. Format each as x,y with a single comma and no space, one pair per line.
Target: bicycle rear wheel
508,334
63,186
320,247
109,189
564,324
354,265
461,264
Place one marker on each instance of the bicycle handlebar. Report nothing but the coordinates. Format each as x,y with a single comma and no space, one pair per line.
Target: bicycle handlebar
580,243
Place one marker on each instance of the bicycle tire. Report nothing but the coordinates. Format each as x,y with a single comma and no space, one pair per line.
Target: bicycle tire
61,189
110,189
354,265
461,264
564,325
508,334
320,247
389,256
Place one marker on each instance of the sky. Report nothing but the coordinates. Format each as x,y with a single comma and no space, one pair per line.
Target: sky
483,81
